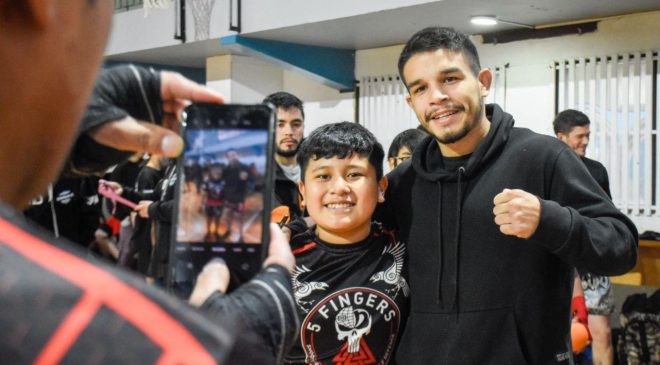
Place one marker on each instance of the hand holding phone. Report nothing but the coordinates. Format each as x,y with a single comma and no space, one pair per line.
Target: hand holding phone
223,198
215,274
279,250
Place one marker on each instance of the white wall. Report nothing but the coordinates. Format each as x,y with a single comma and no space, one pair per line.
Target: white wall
530,96
377,61
242,80
271,14
322,104
132,31
249,80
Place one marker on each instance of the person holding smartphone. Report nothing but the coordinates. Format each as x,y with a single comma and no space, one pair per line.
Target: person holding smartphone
65,307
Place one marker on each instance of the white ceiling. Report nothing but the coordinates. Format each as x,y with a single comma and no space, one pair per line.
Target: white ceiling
395,26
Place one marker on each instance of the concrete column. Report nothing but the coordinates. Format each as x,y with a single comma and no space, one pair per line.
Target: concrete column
241,79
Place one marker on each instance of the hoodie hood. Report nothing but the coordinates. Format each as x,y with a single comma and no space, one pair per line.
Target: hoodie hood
427,159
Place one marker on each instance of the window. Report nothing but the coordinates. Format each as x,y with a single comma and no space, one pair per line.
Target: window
619,94
125,5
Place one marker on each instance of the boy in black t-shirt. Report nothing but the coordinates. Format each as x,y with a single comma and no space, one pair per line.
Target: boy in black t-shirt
349,280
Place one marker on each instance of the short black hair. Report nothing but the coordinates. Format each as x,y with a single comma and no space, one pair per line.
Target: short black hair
434,38
409,138
285,100
341,140
568,119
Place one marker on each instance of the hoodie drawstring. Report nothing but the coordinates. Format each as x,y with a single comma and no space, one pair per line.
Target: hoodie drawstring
439,225
451,295
459,211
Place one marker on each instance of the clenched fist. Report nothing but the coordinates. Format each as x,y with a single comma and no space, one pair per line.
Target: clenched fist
517,212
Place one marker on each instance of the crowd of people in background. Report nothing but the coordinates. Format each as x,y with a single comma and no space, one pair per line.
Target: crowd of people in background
73,209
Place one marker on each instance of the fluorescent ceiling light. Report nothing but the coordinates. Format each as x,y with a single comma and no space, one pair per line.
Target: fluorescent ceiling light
489,20
483,20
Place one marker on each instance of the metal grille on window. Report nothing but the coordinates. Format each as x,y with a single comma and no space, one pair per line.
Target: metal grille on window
619,94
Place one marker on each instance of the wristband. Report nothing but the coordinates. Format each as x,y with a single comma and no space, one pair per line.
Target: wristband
579,309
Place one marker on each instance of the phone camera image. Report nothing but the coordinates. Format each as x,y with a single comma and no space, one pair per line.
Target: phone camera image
223,193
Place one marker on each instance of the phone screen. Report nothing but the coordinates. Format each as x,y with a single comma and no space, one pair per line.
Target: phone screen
223,197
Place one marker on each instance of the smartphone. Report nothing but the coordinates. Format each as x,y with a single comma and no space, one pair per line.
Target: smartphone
223,198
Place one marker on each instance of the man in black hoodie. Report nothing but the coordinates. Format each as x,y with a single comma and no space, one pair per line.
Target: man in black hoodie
495,218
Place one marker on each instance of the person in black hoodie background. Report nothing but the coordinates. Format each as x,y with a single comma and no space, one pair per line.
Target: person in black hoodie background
159,208
70,209
145,184
157,205
496,218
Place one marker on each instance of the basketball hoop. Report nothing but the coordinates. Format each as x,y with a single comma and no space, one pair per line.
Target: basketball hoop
155,4
201,10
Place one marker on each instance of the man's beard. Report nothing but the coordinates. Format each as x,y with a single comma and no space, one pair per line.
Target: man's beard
287,153
457,136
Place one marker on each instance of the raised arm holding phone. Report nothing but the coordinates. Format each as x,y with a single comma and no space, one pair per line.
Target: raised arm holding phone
69,309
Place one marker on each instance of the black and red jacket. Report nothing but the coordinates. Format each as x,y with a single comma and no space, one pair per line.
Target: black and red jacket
61,308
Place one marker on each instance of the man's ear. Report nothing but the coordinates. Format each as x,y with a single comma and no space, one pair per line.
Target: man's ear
485,79
301,189
562,137
409,100
36,13
382,186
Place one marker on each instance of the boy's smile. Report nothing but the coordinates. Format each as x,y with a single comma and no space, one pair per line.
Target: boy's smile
341,195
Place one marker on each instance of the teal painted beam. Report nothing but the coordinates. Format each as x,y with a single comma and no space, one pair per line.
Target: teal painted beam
334,67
